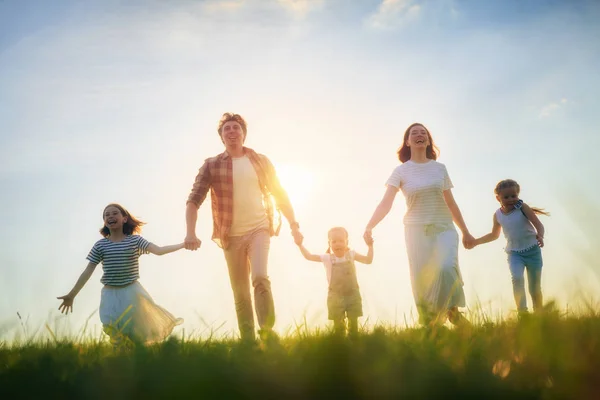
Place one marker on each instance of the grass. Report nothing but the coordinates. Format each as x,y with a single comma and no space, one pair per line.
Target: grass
550,356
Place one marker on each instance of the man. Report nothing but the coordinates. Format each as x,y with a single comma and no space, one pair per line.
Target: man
245,192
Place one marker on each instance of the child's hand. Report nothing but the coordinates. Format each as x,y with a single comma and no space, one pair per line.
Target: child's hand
540,240
67,304
474,243
298,239
468,241
369,241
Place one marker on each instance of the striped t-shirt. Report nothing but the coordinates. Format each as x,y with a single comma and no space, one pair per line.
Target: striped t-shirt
423,186
119,259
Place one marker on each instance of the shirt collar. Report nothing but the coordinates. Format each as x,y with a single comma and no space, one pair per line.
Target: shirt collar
225,155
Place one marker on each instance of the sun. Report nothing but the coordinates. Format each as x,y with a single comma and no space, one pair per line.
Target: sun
297,181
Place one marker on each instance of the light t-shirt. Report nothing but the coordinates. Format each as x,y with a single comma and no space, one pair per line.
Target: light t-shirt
518,230
249,212
326,260
423,186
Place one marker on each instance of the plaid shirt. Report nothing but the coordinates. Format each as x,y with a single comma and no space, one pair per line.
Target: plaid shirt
217,175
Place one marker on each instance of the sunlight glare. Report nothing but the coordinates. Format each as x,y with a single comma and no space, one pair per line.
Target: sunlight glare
298,181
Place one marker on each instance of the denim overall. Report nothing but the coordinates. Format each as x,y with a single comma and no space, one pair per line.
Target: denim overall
344,295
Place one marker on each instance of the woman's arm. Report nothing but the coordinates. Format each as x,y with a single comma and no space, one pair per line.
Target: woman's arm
384,207
160,250
457,217
455,211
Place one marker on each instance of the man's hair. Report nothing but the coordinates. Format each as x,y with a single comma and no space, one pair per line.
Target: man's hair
232,117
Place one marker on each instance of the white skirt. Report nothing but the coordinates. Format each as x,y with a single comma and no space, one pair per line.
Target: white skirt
130,311
434,272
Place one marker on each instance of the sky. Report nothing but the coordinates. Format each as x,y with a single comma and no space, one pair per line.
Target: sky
106,101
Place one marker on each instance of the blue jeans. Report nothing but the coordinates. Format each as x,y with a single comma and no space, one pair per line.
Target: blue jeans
518,262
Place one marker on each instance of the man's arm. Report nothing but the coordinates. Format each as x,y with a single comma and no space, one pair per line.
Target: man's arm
195,200
281,198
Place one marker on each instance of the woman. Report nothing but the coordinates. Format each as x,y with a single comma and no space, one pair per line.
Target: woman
431,238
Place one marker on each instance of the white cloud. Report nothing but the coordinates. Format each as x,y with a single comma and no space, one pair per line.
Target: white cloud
392,14
552,107
297,8
300,8
223,5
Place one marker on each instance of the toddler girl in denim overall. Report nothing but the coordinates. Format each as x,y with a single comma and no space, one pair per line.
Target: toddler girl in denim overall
524,238
344,299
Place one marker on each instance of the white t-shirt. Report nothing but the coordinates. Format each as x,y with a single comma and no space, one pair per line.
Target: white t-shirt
423,186
249,212
326,260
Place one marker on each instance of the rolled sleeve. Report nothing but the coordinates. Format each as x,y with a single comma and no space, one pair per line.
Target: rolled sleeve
201,186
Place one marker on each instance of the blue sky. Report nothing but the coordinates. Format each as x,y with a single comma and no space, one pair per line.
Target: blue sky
102,102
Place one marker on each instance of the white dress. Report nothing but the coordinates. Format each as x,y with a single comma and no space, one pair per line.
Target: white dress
130,311
431,238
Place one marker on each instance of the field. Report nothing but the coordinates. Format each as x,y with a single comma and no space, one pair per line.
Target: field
555,355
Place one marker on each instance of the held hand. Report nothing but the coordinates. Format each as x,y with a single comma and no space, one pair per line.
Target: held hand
468,241
298,238
368,236
191,242
540,240
67,304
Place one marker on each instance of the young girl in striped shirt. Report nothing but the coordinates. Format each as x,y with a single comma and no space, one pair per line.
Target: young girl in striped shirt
524,234
126,310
